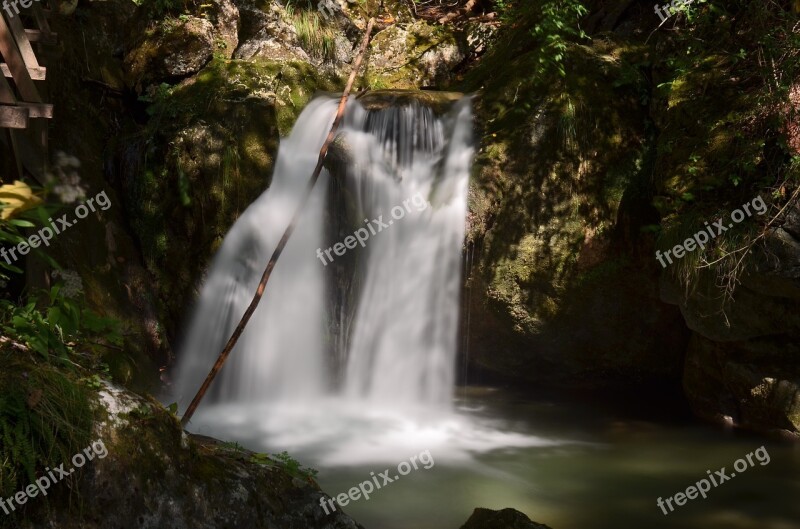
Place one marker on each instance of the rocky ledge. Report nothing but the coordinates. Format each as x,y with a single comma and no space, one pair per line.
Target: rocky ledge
155,476
152,475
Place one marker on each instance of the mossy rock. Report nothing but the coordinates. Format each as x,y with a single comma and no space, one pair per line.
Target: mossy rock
440,102
754,385
170,50
92,113
212,145
420,55
153,474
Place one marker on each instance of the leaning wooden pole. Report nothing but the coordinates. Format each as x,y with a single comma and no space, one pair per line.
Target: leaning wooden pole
223,356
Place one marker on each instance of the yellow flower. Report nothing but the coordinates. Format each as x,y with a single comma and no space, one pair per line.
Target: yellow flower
16,198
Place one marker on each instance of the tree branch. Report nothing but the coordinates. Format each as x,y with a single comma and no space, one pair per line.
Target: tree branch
223,356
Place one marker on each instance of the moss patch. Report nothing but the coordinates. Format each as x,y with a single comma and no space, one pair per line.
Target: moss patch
413,57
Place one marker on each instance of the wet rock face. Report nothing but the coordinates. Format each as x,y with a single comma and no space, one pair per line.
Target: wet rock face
563,289
217,147
440,102
741,365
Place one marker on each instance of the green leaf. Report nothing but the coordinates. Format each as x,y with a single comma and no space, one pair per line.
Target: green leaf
10,268
54,315
22,223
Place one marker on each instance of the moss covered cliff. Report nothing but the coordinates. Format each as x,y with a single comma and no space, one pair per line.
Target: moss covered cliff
619,142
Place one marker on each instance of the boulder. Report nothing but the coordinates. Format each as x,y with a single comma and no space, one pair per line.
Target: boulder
176,48
416,56
502,519
155,475
741,366
753,384
269,33
170,53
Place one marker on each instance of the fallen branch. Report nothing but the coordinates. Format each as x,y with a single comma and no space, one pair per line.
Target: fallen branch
13,343
462,12
223,356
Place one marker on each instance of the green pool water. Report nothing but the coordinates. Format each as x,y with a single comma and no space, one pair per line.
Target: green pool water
570,463
608,474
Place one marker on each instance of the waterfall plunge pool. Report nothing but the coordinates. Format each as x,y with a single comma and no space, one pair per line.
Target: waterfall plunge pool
563,463
351,367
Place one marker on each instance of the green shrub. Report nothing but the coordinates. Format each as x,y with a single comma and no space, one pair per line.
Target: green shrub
53,324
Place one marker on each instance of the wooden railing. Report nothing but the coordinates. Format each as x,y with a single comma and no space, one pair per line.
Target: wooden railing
23,129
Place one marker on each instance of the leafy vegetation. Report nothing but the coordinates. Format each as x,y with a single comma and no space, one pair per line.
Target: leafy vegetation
53,324
52,348
49,322
722,147
286,461
160,8
21,207
535,45
548,27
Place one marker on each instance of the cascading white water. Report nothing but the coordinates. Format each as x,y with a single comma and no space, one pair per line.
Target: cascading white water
279,355
404,340
351,361
403,335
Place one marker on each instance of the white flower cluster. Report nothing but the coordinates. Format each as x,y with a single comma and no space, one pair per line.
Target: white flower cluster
68,185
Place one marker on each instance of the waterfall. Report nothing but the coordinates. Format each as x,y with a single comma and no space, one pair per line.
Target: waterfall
375,324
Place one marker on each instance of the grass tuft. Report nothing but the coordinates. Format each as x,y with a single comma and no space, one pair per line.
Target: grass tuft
45,418
315,37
